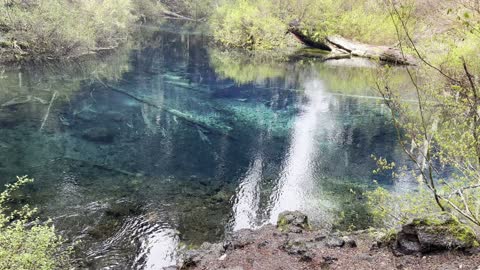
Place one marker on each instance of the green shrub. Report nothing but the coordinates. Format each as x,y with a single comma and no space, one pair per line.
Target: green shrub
247,24
58,27
195,9
27,243
439,132
149,10
389,209
368,23
263,24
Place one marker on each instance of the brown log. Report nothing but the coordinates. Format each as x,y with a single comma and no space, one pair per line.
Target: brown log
382,53
173,15
308,40
339,46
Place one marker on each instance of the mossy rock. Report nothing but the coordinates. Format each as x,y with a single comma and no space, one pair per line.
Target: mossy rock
295,222
459,234
437,232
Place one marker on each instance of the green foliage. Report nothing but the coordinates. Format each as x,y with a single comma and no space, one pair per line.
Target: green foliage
263,24
389,209
195,9
149,10
365,21
248,24
459,41
440,132
27,243
59,27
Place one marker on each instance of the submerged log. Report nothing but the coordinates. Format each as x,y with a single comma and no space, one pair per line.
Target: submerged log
188,118
339,46
103,166
17,101
48,110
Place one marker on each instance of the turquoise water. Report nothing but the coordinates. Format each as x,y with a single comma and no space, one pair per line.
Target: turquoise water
174,143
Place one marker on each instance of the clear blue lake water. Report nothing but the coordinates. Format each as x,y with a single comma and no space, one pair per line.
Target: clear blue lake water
173,142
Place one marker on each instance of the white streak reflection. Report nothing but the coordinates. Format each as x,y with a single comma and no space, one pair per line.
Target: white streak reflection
248,197
297,182
159,249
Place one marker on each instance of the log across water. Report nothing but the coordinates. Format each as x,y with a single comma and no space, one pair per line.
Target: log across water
340,47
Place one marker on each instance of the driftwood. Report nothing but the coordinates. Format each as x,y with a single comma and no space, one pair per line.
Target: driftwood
340,47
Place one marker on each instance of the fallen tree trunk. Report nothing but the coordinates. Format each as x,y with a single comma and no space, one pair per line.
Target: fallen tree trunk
218,129
339,46
382,53
102,166
307,40
173,15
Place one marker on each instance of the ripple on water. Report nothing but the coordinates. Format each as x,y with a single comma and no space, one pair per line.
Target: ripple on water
139,243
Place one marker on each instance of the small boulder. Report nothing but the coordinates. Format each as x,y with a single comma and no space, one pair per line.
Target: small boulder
98,134
334,242
329,259
212,249
239,239
294,222
263,244
438,232
192,258
349,242
295,247
307,256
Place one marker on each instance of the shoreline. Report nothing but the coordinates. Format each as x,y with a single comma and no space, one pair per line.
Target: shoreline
294,246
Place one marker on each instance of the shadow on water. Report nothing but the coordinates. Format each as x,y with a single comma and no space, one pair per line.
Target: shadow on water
174,143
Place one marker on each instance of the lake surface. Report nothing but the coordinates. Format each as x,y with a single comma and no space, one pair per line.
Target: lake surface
174,143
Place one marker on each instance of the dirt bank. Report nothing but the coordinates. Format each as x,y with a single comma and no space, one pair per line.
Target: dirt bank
276,248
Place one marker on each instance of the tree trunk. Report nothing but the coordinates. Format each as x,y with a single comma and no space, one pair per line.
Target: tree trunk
341,46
